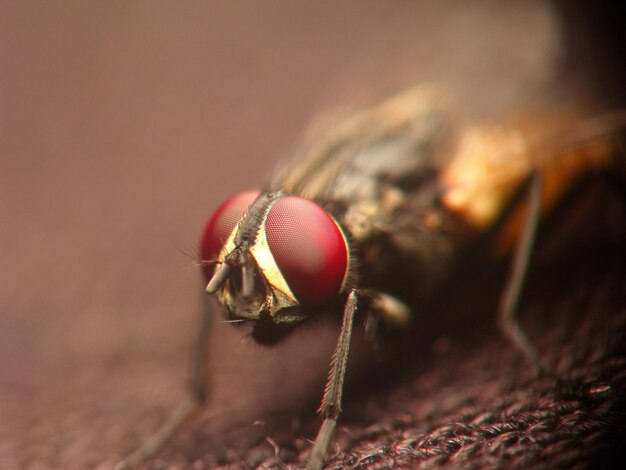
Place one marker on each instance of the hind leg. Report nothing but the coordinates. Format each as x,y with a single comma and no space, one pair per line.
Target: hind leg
509,302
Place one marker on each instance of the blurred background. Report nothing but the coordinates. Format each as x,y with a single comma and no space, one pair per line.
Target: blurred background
124,123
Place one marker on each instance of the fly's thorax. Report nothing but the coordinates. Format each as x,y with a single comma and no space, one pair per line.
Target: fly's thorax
283,257
378,171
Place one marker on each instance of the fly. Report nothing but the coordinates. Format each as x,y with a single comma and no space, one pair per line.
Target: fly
370,220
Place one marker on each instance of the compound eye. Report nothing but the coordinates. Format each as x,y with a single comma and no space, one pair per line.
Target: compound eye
221,224
309,249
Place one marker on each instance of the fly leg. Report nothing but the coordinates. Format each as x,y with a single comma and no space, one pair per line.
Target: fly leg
331,401
507,312
187,408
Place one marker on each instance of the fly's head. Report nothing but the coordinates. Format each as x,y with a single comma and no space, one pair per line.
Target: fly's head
274,257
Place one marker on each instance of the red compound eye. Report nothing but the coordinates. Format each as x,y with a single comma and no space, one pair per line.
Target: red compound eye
221,224
308,247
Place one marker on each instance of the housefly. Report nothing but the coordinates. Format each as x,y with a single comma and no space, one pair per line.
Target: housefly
369,220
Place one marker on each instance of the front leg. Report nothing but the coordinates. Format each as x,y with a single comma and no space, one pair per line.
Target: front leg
381,307
331,401
186,409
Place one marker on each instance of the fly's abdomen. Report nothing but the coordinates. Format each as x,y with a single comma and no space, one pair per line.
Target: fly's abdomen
493,163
